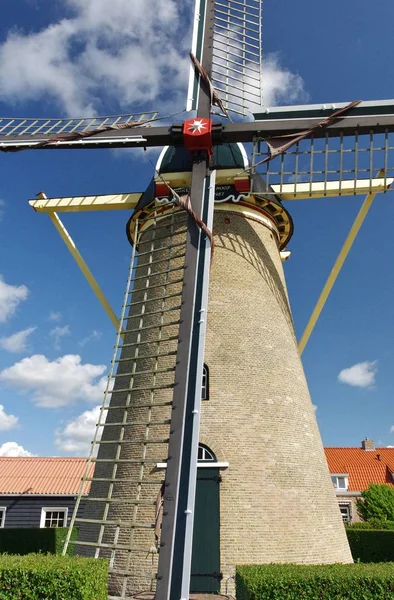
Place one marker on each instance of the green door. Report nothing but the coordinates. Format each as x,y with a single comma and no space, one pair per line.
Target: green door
205,575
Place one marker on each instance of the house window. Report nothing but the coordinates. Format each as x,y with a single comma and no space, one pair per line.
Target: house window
340,482
205,383
346,512
53,517
205,454
2,516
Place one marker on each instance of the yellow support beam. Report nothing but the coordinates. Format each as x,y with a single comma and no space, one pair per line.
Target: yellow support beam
85,203
84,268
331,189
336,268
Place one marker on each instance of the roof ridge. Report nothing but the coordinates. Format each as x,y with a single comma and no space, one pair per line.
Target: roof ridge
46,457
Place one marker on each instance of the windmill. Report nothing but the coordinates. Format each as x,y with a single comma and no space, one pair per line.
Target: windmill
258,432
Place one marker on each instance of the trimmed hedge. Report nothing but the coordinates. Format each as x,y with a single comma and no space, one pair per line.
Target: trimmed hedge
34,539
371,545
322,582
48,577
373,524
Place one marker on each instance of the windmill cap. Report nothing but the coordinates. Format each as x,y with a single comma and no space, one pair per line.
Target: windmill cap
178,159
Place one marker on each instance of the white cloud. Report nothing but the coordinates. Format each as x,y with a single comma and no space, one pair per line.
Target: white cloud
55,316
96,52
362,374
13,449
10,298
56,383
57,333
7,421
92,337
78,433
280,85
17,342
134,55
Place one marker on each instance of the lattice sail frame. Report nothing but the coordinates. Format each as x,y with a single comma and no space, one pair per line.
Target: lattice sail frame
31,127
328,166
237,53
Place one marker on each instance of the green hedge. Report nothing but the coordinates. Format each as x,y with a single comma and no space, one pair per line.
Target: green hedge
28,540
371,545
49,577
373,524
318,582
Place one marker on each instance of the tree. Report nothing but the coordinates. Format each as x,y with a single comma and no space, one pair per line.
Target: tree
377,502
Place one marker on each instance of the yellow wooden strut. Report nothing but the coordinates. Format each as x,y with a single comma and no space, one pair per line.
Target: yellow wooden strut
84,268
337,267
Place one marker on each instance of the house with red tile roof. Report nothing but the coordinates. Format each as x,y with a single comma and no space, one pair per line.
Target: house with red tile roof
40,491
354,469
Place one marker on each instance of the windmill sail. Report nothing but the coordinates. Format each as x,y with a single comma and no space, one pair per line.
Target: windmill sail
237,53
327,162
19,133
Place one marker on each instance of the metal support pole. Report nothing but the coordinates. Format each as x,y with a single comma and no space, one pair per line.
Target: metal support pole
186,506
173,577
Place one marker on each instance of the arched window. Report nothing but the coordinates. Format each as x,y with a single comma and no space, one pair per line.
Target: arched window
205,454
205,383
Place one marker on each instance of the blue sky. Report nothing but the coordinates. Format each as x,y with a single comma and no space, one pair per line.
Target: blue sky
70,57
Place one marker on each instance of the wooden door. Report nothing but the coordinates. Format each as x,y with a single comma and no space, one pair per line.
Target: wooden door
205,573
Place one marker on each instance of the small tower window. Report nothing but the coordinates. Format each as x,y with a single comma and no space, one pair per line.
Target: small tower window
205,454
205,383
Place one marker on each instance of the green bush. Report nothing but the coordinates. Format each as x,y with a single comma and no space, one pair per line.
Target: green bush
49,577
360,525
371,545
373,524
377,502
322,582
28,540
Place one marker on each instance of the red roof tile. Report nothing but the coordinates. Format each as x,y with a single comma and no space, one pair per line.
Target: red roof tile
363,466
42,475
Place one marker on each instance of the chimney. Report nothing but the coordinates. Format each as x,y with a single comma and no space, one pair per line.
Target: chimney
367,444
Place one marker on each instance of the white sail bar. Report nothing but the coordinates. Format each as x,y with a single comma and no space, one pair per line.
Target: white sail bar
237,53
10,127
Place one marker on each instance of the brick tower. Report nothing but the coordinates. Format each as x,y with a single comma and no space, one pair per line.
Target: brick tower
276,502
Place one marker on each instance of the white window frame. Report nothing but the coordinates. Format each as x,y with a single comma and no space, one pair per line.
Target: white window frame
46,509
208,461
207,455
2,520
348,506
345,476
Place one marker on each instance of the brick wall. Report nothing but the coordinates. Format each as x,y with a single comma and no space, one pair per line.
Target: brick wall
277,499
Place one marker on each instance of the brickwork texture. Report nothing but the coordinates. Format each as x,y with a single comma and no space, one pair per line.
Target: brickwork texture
277,503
